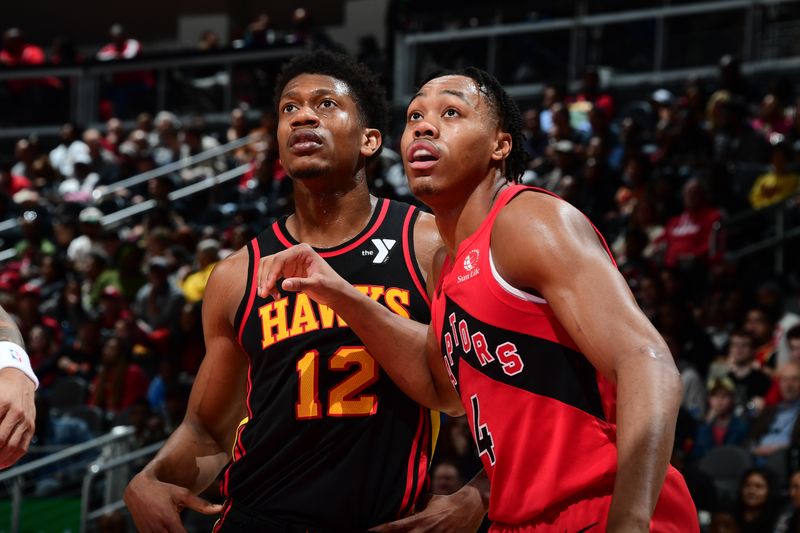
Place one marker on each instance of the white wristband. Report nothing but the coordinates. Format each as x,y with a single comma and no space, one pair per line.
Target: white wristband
13,356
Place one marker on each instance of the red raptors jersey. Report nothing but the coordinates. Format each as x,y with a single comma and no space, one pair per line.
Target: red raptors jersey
541,415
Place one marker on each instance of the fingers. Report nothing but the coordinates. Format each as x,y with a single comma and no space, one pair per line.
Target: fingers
282,264
201,505
403,525
15,434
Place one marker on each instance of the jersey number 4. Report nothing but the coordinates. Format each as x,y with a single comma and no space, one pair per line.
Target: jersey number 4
344,398
483,437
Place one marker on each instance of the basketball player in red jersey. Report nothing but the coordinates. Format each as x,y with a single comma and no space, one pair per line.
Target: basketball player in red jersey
571,393
327,443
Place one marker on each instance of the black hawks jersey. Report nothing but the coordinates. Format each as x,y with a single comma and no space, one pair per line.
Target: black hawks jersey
329,440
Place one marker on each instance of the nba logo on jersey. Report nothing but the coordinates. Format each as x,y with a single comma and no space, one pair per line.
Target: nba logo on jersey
15,356
471,261
383,246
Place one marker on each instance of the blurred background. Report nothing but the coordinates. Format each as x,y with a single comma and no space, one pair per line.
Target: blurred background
137,149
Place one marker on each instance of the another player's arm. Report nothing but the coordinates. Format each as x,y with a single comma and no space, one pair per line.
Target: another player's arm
17,386
407,350
542,243
200,447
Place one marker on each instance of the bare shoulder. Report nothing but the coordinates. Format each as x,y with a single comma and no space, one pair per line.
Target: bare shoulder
538,236
226,285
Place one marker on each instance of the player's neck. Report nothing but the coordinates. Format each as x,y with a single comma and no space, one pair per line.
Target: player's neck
327,218
461,219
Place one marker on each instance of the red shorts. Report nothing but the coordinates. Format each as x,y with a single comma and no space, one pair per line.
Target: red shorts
675,513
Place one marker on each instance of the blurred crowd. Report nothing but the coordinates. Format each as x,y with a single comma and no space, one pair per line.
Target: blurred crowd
111,309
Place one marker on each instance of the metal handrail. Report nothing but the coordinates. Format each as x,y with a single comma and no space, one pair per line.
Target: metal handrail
117,434
97,469
176,165
193,188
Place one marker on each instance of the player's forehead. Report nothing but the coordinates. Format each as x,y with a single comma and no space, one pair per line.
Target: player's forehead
306,85
462,87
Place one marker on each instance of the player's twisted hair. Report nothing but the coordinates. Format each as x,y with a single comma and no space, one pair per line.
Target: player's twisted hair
506,111
366,89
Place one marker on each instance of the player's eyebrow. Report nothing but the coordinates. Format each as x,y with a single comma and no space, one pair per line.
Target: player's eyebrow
459,94
322,91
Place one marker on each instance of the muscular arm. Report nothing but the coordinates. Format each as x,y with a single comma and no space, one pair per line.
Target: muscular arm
564,261
201,446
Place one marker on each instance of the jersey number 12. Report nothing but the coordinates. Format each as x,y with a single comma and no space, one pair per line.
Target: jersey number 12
344,398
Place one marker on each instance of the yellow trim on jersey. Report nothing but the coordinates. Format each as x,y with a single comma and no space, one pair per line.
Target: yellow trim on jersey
436,423
244,422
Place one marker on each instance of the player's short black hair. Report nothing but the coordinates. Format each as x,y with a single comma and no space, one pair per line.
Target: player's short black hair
367,91
505,109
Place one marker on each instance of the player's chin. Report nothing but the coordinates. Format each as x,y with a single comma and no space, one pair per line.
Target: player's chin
306,169
423,187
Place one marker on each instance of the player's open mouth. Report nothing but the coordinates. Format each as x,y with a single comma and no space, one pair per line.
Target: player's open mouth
422,155
304,141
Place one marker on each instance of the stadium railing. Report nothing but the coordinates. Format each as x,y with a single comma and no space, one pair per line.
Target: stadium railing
50,484
761,38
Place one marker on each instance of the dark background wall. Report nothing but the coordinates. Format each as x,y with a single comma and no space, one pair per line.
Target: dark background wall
87,21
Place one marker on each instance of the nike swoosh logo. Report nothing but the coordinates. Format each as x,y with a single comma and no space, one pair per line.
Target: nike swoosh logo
587,528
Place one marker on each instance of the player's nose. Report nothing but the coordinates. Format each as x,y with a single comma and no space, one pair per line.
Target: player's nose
424,128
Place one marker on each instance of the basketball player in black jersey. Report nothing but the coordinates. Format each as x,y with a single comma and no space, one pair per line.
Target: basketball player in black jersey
315,436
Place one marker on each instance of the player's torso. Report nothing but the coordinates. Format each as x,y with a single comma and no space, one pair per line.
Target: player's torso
330,440
541,416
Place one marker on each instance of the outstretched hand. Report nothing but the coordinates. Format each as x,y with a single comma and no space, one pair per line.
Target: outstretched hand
302,269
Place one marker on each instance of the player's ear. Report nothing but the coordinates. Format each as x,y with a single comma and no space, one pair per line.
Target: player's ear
370,141
502,146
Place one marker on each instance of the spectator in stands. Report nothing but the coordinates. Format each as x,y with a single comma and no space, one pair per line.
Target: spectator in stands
793,340
789,522
71,148
120,47
196,141
207,256
761,326
81,357
260,33
128,87
29,315
115,134
102,158
445,479
24,154
751,383
778,426
98,275
688,237
209,41
42,354
694,392
721,427
770,298
757,509
79,186
779,183
771,118
158,302
119,383
590,96
11,183
551,95
91,231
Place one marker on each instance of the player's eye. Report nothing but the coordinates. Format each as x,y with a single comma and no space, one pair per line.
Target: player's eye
327,104
288,108
450,112
414,115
